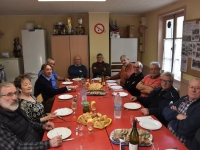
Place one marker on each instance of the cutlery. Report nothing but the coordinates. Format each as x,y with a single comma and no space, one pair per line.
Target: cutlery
77,131
173,148
61,118
65,140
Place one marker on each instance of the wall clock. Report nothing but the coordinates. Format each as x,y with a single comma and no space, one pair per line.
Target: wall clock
99,28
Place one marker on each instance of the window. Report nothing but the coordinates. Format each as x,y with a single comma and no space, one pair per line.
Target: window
172,39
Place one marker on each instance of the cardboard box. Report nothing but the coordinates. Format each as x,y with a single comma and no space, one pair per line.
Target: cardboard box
123,32
130,30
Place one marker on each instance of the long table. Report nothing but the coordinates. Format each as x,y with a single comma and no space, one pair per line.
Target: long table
100,139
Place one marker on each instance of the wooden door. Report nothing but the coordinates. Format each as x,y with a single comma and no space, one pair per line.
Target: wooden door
79,46
61,54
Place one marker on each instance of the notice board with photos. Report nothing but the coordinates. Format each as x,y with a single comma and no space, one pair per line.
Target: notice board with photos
190,52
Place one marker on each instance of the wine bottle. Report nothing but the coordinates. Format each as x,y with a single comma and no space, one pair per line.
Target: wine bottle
102,79
134,137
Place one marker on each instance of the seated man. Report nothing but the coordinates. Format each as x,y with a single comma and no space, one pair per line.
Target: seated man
2,74
43,85
77,70
134,79
100,66
16,130
159,98
151,81
126,71
54,76
183,116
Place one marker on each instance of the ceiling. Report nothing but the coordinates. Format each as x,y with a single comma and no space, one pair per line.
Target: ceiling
125,7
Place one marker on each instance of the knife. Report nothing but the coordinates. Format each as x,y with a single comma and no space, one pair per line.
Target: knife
61,118
67,140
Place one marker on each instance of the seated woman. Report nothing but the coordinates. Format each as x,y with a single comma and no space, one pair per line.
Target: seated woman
33,108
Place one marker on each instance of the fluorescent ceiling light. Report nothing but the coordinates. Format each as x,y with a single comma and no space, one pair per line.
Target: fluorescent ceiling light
70,0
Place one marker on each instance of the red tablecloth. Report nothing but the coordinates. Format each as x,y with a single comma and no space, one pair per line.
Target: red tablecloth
100,139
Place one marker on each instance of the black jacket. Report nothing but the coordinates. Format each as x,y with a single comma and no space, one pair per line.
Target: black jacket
131,87
186,127
170,95
44,87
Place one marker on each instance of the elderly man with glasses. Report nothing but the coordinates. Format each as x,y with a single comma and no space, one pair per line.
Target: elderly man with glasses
134,79
16,130
54,76
183,116
159,98
150,81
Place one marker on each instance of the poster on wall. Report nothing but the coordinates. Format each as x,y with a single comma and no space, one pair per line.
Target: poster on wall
184,61
195,64
195,32
184,48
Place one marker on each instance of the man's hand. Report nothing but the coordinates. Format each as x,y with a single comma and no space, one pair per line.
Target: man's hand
181,117
173,107
107,77
94,68
66,79
48,126
56,141
80,70
104,69
133,98
145,111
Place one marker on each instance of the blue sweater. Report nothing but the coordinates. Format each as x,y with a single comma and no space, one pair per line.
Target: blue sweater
186,127
74,71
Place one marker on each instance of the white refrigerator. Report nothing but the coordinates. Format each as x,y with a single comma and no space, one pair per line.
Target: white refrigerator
122,46
34,52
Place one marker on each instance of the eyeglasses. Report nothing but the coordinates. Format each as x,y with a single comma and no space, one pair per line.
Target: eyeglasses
153,69
166,81
195,87
11,94
136,67
51,64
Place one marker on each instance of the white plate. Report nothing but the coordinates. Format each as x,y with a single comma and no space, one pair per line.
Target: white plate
97,79
76,79
64,131
117,87
150,124
132,105
122,94
123,143
67,82
65,96
111,81
63,111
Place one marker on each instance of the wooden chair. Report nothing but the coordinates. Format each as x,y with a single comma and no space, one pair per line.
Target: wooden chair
39,98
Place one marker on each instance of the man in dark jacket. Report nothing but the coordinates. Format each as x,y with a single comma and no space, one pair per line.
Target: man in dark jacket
159,98
100,66
16,130
183,116
44,86
135,78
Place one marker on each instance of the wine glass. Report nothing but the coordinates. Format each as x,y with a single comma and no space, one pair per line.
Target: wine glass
154,146
73,106
81,127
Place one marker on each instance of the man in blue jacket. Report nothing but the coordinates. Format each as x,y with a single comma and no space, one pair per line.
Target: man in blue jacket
184,116
159,98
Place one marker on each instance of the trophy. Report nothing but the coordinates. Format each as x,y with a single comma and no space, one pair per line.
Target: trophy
80,30
69,26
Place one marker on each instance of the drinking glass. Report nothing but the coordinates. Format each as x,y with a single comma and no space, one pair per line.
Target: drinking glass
154,146
80,127
90,126
131,119
73,106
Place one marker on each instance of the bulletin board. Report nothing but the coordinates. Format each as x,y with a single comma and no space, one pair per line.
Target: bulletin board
190,52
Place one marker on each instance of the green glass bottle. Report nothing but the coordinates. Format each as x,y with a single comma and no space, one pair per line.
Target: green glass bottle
134,137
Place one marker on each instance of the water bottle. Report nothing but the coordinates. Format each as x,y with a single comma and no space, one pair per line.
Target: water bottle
83,94
117,106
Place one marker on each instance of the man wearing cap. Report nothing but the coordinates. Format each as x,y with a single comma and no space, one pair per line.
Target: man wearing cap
2,74
100,66
183,116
